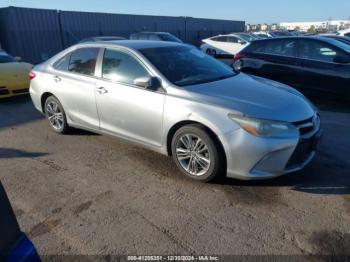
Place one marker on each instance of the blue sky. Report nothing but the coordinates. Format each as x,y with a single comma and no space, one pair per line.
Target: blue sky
251,11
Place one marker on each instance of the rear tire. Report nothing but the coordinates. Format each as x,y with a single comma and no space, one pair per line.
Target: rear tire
197,153
56,116
211,52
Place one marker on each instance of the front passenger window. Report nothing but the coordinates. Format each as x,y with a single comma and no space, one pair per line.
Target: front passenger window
317,51
121,67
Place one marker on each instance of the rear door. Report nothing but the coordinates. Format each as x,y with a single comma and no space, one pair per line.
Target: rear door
322,75
73,82
276,60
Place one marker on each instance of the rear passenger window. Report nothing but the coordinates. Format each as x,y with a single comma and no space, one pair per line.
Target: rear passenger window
143,37
83,61
154,37
62,64
232,39
281,47
317,51
348,34
220,39
121,67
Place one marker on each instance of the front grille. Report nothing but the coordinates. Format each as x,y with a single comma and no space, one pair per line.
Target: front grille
308,126
309,130
302,152
21,91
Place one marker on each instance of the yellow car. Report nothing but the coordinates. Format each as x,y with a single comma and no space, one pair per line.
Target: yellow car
14,79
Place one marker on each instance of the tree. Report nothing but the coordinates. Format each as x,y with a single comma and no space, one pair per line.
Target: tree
297,28
312,29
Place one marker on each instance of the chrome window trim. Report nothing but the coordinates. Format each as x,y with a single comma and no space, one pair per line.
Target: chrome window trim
126,51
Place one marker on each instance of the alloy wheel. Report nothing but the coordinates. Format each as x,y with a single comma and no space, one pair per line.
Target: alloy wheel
193,154
54,115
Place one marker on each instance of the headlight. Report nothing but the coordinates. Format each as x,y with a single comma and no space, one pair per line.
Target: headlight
265,128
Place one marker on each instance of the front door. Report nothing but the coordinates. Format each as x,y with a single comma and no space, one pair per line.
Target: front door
323,76
125,109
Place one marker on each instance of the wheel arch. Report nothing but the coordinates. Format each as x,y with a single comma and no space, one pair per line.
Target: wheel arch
43,98
212,134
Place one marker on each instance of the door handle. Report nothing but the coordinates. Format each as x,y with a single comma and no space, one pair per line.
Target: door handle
57,79
101,90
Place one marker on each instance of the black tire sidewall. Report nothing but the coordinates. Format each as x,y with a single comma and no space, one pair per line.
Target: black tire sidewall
215,160
64,128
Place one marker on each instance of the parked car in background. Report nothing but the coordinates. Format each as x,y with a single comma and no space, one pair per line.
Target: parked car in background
279,33
178,101
345,33
13,75
102,38
272,34
224,46
14,244
155,36
262,35
247,37
318,66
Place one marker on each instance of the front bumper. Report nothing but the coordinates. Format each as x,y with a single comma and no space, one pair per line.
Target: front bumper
255,158
9,92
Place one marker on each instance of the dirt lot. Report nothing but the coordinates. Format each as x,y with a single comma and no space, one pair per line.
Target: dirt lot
91,194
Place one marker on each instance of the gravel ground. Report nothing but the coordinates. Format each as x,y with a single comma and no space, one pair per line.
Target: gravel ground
89,194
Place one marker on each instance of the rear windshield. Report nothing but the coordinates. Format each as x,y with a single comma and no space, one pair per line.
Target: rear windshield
184,65
6,58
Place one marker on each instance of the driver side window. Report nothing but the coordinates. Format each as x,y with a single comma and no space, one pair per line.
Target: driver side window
317,51
121,67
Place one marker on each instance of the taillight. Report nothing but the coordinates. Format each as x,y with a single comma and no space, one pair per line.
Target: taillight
32,75
238,57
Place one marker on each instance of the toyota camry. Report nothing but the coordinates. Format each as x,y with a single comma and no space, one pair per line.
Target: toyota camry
180,102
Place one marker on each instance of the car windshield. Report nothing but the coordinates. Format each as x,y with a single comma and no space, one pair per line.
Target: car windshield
6,58
170,38
340,44
183,65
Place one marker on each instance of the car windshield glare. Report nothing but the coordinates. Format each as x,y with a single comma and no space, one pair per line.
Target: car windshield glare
183,65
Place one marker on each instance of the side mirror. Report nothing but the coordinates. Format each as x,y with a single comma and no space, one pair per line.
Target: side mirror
148,82
341,60
18,59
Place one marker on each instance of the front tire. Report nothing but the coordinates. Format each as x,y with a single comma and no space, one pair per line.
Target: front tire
56,116
197,153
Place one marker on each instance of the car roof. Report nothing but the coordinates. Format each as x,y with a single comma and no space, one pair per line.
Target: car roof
325,39
134,44
314,37
108,37
156,33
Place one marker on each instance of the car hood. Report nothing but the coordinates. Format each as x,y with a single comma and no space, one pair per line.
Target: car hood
255,97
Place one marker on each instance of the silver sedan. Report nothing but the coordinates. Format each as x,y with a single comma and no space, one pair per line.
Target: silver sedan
175,100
